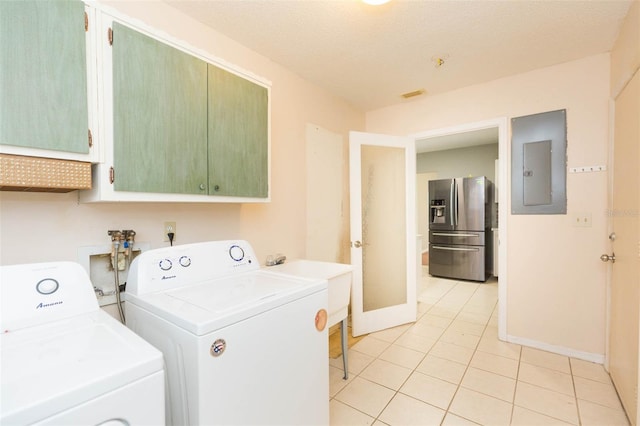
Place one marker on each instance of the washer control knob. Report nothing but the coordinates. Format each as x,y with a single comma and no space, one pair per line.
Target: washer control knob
165,264
184,261
47,286
236,253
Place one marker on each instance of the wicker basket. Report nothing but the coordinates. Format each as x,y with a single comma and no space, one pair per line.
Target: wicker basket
35,174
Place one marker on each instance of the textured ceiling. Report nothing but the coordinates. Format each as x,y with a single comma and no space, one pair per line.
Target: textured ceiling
371,55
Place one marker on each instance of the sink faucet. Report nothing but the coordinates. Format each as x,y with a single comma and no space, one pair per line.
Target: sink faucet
279,260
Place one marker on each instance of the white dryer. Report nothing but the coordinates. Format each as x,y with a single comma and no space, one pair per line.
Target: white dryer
67,362
241,345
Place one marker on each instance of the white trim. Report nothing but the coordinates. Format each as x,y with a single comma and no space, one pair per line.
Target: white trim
560,350
503,198
607,333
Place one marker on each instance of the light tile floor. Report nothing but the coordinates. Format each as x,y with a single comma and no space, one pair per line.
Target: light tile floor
449,368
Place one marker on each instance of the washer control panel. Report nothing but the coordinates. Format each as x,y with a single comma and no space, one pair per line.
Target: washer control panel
182,265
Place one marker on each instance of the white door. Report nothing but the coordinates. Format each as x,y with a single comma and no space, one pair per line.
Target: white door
382,172
625,279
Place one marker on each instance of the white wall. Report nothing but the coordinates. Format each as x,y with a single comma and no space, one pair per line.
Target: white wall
556,282
38,227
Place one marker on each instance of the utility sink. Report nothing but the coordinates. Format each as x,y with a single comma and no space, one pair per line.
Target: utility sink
338,276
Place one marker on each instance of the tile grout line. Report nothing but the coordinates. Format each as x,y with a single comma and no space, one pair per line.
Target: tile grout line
575,391
468,364
421,360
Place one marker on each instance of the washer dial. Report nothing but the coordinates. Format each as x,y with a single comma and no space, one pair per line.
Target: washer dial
236,253
165,264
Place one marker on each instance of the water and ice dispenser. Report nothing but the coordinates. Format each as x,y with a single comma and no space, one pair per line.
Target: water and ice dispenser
437,212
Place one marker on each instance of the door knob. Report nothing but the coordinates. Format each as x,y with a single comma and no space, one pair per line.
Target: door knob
357,244
606,258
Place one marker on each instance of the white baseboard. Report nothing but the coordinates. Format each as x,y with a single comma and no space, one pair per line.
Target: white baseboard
560,350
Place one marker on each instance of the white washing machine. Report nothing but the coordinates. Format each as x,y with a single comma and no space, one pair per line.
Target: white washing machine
67,362
241,345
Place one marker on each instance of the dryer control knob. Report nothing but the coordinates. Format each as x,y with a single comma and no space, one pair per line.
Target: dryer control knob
184,261
47,286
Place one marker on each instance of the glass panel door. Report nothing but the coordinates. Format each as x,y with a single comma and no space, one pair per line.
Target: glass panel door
383,231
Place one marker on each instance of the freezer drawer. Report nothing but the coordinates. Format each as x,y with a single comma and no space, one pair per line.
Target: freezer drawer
456,261
470,238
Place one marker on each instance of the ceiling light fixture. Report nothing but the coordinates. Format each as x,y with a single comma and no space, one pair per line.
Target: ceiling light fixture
375,2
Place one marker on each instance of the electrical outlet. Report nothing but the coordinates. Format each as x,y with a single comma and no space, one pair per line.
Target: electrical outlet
169,227
582,220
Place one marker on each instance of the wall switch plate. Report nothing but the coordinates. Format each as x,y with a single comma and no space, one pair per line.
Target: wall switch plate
169,227
582,220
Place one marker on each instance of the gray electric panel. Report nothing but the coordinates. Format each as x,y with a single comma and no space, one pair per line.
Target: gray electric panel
539,163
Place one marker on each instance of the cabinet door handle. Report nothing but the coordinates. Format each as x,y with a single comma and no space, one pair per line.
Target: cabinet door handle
202,187
216,188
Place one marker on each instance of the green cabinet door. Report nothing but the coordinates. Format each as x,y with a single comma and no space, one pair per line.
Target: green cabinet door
43,75
238,136
159,116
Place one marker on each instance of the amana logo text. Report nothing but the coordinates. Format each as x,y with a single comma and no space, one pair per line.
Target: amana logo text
48,305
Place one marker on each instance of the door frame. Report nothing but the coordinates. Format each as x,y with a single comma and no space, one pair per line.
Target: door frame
607,332
502,123
612,213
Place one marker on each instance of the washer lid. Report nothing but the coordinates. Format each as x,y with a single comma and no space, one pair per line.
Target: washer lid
211,305
57,366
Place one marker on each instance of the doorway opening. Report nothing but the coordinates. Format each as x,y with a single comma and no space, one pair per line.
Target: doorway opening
470,138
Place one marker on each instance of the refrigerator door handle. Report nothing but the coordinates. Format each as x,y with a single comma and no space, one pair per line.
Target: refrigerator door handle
455,184
451,205
445,234
455,248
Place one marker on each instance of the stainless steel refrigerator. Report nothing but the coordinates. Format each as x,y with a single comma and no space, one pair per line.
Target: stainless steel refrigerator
460,243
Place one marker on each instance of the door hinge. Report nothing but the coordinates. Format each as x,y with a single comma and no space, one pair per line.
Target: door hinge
111,175
86,22
90,139
110,36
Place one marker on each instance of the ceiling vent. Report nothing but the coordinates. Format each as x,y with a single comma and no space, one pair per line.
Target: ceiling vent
413,94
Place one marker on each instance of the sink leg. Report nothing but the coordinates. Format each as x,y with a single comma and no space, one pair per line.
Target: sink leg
344,333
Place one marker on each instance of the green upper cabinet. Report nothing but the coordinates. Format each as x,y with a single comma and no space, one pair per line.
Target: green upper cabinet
238,135
43,75
159,116
184,126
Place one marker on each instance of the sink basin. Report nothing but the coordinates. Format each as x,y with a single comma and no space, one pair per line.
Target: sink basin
338,276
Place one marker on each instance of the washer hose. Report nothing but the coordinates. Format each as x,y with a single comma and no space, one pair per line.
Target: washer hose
116,247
